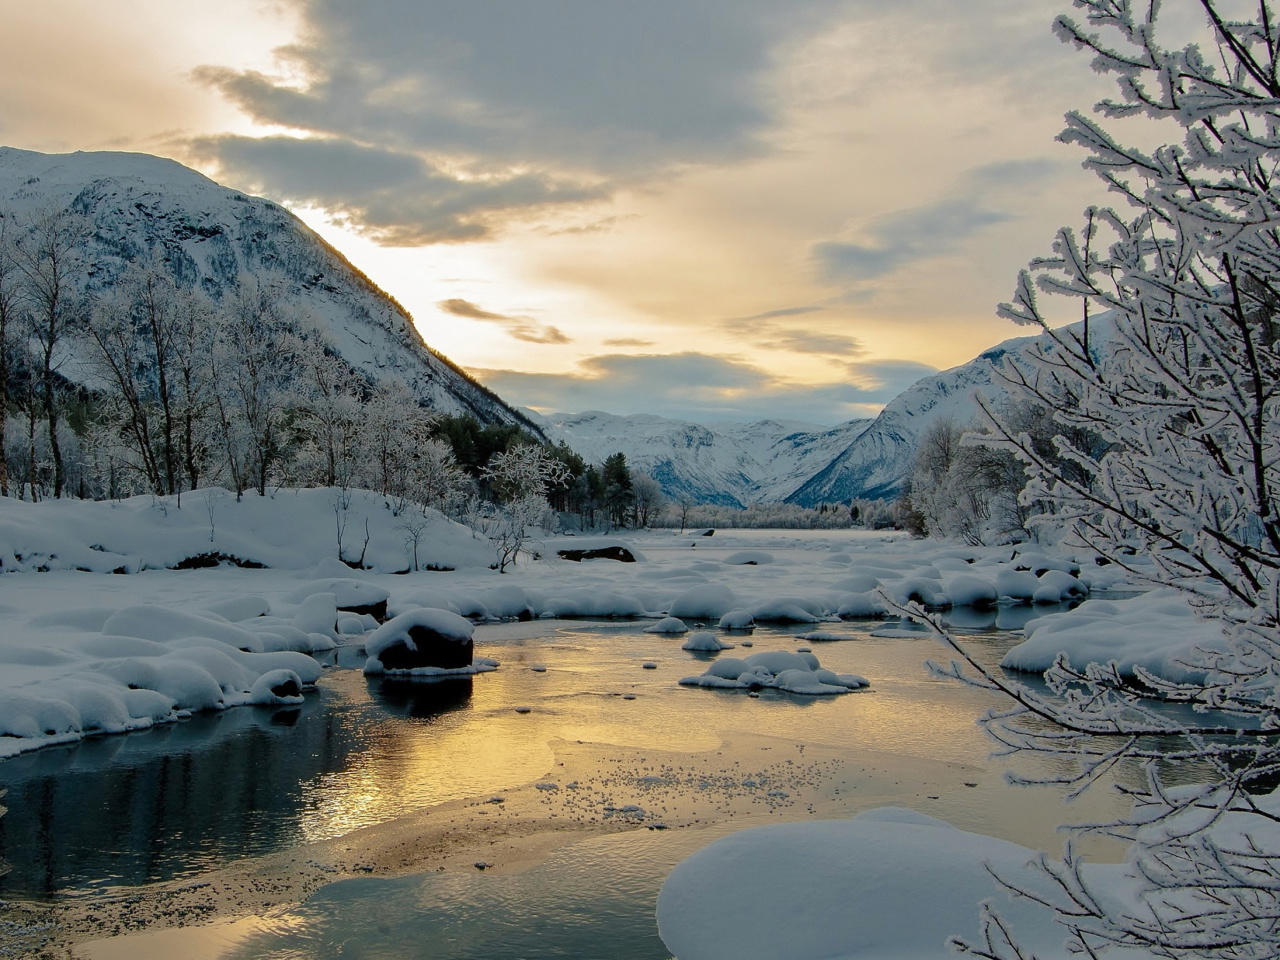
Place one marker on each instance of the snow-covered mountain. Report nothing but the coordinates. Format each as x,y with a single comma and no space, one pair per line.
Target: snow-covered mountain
876,463
211,236
734,464
787,461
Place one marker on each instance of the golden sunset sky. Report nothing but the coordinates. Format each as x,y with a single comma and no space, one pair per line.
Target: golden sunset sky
709,209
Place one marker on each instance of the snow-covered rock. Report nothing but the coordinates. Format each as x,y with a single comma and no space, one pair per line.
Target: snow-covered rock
1158,631
777,669
671,625
707,602
422,642
704,641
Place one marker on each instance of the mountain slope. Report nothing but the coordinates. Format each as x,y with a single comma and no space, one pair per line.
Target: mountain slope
212,236
878,461
733,464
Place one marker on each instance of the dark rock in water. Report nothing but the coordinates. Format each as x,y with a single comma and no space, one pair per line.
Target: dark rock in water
287,688
433,650
203,561
621,554
376,610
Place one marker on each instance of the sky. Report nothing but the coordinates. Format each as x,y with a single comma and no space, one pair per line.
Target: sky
706,209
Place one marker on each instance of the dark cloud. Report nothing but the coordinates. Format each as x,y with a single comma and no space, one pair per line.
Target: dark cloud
504,105
703,388
398,197
619,85
522,328
903,237
985,196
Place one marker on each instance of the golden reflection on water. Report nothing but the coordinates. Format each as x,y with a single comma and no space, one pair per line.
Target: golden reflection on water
594,690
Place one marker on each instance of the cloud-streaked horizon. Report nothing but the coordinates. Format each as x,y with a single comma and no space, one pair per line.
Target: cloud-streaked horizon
719,388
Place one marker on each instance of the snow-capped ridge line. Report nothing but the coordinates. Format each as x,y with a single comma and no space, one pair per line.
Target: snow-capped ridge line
212,236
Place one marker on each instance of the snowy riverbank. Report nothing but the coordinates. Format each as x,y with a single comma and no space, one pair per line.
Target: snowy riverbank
87,652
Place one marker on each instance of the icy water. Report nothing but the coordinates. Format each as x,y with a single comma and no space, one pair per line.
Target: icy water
185,799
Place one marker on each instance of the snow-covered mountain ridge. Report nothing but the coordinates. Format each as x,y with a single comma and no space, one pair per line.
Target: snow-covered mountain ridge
734,464
771,461
211,236
877,462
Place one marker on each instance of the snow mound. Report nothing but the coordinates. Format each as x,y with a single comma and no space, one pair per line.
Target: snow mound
1158,631
704,641
706,602
115,684
776,669
672,625
788,610
748,558
737,620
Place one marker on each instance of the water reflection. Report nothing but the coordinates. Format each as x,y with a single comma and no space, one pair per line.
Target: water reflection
165,802
594,900
423,699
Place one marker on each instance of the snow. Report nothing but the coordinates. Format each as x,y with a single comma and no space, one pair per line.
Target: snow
290,529
704,641
709,602
738,619
888,883
1157,632
201,639
776,669
672,625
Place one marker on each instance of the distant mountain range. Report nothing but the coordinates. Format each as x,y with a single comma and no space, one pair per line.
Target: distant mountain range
211,236
733,464
772,461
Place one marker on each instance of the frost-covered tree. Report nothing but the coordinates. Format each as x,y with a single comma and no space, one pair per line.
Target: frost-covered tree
964,490
9,305
519,478
1172,365
136,337
253,367
47,255
647,498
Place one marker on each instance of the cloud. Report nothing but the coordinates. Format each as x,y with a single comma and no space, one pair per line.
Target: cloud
628,342
773,336
984,196
619,85
397,197
774,314
809,341
522,328
702,388
504,105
